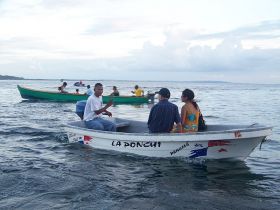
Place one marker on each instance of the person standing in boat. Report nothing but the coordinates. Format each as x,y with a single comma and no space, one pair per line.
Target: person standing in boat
164,114
89,91
94,109
62,87
189,112
138,91
115,92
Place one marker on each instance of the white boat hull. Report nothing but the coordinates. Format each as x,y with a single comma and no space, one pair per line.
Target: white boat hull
216,143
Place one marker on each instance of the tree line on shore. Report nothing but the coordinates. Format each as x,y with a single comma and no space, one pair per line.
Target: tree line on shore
7,77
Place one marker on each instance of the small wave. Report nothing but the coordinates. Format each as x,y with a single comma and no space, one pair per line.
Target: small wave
68,110
211,116
26,131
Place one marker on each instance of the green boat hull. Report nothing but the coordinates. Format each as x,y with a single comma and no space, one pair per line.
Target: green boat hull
28,93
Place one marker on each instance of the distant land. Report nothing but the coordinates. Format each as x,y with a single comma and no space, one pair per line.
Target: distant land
6,77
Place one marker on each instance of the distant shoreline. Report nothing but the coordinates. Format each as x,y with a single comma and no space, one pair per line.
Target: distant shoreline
7,77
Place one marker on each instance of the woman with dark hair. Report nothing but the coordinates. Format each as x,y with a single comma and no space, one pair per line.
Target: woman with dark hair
190,112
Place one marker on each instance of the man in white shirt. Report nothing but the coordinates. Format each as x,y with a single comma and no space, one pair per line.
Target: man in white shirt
89,91
93,111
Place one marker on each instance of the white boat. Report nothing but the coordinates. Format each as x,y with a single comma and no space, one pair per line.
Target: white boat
217,142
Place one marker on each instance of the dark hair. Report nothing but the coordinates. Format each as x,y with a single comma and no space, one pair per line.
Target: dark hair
64,83
88,86
97,84
77,90
114,87
164,92
136,87
190,95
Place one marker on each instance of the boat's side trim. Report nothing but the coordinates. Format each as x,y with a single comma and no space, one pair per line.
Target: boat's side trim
202,136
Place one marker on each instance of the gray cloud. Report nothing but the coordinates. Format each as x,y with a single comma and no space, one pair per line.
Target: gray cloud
196,63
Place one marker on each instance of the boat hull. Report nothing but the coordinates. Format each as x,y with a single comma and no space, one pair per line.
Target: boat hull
28,93
233,144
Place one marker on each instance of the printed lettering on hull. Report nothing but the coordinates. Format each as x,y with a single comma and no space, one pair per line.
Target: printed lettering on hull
136,144
237,134
179,149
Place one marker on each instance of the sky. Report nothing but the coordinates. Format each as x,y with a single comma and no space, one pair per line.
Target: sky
178,40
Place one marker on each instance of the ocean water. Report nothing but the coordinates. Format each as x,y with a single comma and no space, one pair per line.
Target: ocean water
40,170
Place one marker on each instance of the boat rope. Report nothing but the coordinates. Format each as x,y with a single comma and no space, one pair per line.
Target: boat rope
263,140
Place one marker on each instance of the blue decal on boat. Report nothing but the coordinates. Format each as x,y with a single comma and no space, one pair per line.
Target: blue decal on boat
198,152
81,140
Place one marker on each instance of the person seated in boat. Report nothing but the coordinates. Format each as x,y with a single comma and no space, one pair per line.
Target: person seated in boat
115,92
62,88
164,114
138,92
190,112
89,91
77,91
94,109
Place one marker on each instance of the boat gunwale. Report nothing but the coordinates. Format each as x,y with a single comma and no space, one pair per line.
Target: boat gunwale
212,135
53,92
44,91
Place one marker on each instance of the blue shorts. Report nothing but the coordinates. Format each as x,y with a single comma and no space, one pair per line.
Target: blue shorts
101,124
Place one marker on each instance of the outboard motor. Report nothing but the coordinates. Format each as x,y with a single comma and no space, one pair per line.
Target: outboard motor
80,108
151,96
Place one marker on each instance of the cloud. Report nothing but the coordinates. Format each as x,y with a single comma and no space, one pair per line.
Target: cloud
175,60
66,39
227,57
269,29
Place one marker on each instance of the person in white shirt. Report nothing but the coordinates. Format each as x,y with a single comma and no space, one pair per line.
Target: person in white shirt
89,91
93,111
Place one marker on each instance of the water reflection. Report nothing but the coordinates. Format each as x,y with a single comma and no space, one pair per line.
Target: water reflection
129,178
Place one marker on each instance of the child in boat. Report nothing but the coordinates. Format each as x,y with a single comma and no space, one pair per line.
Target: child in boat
77,91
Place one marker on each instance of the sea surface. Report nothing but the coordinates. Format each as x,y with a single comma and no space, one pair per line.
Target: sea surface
39,169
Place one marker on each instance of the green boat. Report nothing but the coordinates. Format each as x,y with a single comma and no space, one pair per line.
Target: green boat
28,93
